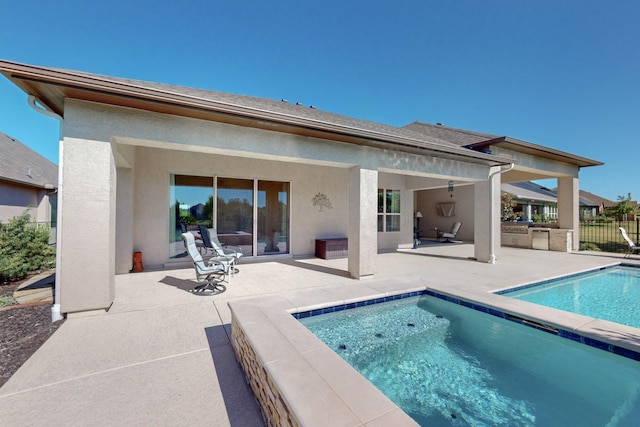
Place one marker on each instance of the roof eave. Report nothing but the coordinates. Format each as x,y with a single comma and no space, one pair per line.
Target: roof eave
539,150
29,77
40,186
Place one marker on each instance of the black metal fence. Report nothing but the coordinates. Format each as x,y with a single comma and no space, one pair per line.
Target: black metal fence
605,236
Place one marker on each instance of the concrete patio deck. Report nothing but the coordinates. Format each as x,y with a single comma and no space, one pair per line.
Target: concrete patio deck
162,355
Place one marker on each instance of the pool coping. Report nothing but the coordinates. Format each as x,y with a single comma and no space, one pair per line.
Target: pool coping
302,369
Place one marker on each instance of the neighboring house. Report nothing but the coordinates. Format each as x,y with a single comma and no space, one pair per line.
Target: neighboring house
533,201
592,205
28,183
135,154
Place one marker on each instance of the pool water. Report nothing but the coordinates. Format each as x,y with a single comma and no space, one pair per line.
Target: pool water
448,365
610,294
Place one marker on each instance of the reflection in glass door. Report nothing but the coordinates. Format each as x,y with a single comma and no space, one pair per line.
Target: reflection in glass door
235,213
191,204
246,212
273,217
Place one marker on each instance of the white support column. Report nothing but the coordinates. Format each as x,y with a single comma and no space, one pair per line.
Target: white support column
87,233
569,207
363,221
487,219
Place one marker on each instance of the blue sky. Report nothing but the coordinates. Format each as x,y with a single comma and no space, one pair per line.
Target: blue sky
563,74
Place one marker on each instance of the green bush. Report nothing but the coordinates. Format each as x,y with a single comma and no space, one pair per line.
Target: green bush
588,246
24,248
7,301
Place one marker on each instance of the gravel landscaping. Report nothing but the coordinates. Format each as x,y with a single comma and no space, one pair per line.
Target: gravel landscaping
23,329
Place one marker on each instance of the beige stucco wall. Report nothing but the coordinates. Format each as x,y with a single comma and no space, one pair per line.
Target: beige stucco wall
151,196
16,199
463,197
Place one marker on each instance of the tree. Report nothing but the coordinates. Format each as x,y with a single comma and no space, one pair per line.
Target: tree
507,212
625,207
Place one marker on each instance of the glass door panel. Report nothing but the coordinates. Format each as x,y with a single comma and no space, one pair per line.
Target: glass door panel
191,204
235,213
273,217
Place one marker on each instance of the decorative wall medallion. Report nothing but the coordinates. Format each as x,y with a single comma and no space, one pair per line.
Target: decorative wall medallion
321,202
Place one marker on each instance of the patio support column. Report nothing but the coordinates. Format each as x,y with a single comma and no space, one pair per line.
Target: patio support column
124,221
363,221
487,219
569,208
87,252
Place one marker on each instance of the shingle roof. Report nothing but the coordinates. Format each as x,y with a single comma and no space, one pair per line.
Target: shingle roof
51,86
20,164
460,137
273,106
590,199
483,141
528,190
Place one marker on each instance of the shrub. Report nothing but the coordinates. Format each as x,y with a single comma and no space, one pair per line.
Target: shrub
588,246
7,301
24,248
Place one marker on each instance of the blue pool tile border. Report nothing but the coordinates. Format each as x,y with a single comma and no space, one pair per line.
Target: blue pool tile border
570,335
316,312
568,276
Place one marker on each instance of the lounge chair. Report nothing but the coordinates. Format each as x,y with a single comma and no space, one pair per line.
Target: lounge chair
452,234
632,246
223,250
210,275
229,260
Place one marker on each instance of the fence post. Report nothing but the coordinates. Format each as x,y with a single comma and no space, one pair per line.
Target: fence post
637,230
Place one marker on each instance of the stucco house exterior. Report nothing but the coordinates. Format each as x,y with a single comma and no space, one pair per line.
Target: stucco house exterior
272,176
28,182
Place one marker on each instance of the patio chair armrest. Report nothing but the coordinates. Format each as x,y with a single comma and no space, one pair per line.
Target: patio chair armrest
232,248
217,261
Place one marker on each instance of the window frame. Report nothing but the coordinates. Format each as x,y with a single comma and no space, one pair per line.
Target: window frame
389,210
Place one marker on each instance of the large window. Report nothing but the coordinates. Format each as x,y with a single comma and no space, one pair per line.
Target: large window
237,203
388,210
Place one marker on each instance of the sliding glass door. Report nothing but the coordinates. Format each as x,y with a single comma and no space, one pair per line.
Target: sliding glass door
191,204
235,213
250,214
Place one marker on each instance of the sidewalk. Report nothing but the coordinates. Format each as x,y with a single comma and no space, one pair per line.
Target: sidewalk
38,289
161,356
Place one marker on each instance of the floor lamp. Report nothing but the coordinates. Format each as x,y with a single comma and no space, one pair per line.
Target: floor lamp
418,216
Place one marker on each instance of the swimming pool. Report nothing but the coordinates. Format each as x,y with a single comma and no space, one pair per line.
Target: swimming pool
610,294
449,365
